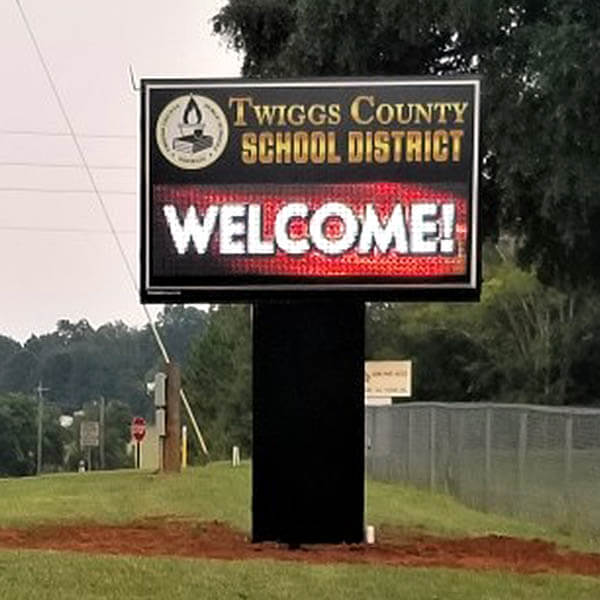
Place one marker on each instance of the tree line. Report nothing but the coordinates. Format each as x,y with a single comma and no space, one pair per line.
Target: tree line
535,335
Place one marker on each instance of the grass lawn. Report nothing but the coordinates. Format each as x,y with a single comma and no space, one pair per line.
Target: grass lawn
219,492
64,576
223,493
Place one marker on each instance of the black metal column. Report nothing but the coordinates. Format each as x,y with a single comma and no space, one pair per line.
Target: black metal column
308,428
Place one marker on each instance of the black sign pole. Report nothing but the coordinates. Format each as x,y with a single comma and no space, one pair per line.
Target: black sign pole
308,427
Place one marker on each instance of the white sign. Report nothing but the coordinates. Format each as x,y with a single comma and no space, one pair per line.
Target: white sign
388,378
89,433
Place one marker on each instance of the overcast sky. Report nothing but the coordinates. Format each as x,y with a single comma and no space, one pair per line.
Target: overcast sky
57,258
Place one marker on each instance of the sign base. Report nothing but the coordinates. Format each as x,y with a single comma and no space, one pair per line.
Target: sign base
308,422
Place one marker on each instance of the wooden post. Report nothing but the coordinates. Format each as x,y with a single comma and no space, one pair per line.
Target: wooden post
172,443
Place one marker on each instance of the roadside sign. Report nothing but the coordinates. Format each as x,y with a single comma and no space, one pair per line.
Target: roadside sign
361,188
138,428
89,434
388,378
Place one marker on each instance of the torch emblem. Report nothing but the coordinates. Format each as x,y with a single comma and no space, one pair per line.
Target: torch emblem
192,131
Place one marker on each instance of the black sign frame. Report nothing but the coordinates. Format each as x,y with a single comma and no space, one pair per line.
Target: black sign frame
238,288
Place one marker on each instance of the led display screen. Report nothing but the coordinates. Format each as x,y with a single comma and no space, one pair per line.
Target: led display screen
289,188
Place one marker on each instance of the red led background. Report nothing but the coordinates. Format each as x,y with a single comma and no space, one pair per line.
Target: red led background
383,195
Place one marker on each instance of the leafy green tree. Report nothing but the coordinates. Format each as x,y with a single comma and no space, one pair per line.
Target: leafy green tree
540,102
8,348
539,184
79,364
217,378
18,436
525,341
117,423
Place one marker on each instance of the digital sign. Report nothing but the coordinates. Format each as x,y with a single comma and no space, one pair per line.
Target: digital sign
267,189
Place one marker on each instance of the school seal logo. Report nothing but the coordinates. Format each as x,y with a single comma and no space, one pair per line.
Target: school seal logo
192,131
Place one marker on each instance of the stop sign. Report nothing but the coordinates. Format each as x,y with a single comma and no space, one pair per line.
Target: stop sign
138,428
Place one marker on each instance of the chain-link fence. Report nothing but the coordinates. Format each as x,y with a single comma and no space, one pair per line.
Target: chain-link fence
542,463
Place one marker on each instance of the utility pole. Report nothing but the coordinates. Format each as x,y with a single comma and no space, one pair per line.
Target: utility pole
102,433
40,392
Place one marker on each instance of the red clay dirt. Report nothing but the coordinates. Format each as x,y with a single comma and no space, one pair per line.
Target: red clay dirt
163,537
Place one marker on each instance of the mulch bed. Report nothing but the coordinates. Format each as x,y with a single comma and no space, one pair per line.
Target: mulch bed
165,537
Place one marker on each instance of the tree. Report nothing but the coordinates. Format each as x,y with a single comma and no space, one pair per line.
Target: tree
538,59
117,435
79,364
8,348
525,341
218,380
178,325
18,436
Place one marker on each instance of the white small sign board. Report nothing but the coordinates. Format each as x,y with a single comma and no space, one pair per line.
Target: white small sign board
89,433
388,378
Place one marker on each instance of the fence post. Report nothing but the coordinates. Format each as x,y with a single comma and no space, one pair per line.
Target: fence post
568,460
488,457
374,454
522,453
409,438
432,416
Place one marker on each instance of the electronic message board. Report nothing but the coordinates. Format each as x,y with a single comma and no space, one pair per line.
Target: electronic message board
267,189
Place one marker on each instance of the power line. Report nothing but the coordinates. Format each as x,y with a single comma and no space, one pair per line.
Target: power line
42,190
65,166
39,133
108,218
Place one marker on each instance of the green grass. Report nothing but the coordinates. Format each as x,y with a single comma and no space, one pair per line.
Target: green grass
219,492
223,493
414,509
65,576
216,492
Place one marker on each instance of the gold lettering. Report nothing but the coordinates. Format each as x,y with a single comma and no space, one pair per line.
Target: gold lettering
355,146
335,118
440,145
266,113
413,146
404,120
317,119
427,150
398,138
368,146
425,111
265,147
460,108
283,147
298,110
301,147
249,148
240,103
442,108
355,109
456,135
332,156
318,147
379,114
381,142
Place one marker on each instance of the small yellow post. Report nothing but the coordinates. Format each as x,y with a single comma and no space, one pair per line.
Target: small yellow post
184,449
